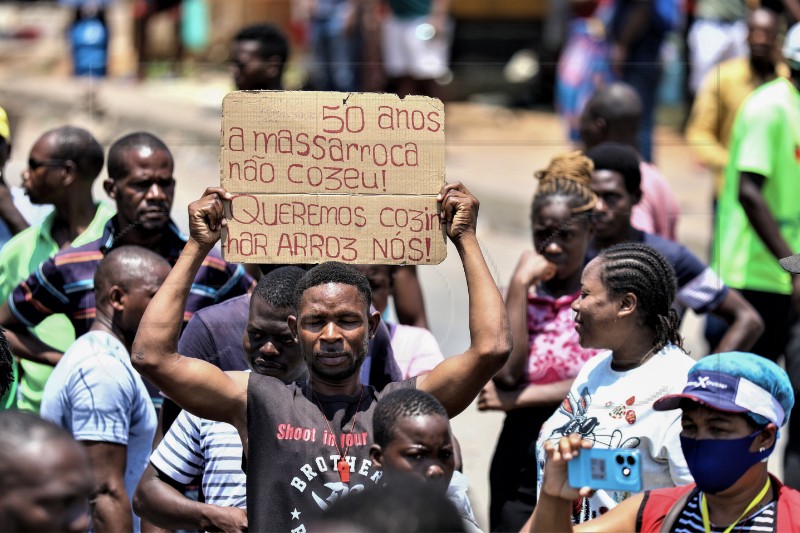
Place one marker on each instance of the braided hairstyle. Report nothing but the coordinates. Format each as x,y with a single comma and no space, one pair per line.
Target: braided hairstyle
569,176
637,268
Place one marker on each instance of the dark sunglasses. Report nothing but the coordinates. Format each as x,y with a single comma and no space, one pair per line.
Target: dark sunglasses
33,164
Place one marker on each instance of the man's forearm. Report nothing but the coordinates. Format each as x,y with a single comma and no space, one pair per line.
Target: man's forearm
156,340
490,332
164,506
26,346
516,308
111,512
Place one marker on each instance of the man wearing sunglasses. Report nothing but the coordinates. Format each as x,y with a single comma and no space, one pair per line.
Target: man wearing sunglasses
140,181
62,166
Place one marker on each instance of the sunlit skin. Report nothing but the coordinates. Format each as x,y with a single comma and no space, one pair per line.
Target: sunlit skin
613,209
422,447
269,344
144,197
135,298
561,237
51,489
596,310
44,184
333,327
249,71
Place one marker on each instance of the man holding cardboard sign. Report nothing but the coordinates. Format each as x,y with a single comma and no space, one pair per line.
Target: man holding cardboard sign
309,441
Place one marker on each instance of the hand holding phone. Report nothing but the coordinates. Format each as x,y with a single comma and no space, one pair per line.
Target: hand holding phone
617,469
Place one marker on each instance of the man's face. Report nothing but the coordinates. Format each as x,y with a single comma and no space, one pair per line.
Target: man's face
422,447
762,36
144,197
52,490
269,344
333,328
136,298
614,204
380,282
250,72
42,178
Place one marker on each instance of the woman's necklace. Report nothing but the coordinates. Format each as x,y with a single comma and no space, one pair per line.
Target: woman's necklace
341,465
641,361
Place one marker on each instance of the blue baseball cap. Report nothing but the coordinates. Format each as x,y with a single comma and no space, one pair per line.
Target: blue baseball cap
737,382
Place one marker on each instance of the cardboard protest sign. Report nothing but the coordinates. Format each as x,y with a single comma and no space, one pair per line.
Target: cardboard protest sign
320,176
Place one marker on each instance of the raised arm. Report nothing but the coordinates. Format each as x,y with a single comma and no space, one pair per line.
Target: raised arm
197,386
111,509
531,269
458,380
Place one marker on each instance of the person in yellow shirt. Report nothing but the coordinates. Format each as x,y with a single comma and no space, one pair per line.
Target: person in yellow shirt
726,87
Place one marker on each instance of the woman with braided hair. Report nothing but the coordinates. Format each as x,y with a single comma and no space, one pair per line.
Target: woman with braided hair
625,307
547,354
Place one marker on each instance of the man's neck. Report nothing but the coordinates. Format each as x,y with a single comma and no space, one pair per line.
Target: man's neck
132,235
631,234
728,505
350,387
103,322
71,219
762,70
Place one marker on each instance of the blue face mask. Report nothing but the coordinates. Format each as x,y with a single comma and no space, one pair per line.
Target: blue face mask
716,464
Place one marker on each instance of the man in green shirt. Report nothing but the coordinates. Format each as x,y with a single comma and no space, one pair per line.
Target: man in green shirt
758,220
62,166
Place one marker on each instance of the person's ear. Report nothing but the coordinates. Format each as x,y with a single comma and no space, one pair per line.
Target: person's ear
116,296
636,197
374,320
765,438
376,454
627,304
110,188
291,320
70,173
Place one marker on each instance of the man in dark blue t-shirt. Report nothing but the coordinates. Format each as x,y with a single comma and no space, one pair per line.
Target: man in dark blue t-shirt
616,182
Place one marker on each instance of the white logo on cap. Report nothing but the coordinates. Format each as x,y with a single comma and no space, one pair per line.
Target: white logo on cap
702,381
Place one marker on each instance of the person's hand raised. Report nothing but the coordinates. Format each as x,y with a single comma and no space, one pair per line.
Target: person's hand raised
533,268
556,481
207,217
459,211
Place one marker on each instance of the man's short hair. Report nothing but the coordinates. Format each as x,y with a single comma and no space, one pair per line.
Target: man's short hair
271,41
618,158
333,272
277,287
6,364
407,505
79,146
18,429
399,404
125,266
117,166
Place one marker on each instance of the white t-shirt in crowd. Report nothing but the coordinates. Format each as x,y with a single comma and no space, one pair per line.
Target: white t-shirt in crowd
95,394
615,410
415,350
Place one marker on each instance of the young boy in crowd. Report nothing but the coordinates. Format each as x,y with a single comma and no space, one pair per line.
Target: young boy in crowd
413,439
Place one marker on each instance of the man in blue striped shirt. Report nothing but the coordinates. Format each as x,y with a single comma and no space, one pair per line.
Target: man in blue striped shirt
195,447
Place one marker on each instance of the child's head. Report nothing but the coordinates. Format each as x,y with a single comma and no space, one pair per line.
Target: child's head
413,438
381,281
561,212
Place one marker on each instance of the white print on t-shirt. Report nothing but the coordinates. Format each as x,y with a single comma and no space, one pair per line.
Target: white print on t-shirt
333,490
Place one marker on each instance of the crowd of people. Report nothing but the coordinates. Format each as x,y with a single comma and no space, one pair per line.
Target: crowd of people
146,384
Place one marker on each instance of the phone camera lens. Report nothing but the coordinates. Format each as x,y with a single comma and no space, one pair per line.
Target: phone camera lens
620,460
631,460
626,472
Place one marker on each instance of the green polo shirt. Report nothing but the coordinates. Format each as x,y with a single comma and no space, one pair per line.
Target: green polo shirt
765,141
20,257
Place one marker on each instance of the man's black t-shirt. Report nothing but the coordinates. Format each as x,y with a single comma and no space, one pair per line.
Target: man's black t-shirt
291,463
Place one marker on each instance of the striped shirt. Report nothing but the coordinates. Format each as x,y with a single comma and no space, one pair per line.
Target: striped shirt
65,283
691,521
193,447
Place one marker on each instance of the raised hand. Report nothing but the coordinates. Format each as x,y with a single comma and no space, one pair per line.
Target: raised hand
459,210
207,216
533,268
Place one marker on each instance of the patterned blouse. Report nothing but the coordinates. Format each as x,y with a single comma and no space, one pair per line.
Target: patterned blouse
555,353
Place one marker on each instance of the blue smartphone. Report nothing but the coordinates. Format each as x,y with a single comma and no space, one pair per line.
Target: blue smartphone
606,468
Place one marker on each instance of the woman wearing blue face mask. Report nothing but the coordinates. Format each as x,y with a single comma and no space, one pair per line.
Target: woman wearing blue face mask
733,405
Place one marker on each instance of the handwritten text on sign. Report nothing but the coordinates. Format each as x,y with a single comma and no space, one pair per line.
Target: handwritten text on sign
332,176
288,228
331,143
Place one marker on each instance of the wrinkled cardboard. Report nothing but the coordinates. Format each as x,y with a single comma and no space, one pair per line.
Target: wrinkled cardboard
321,176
